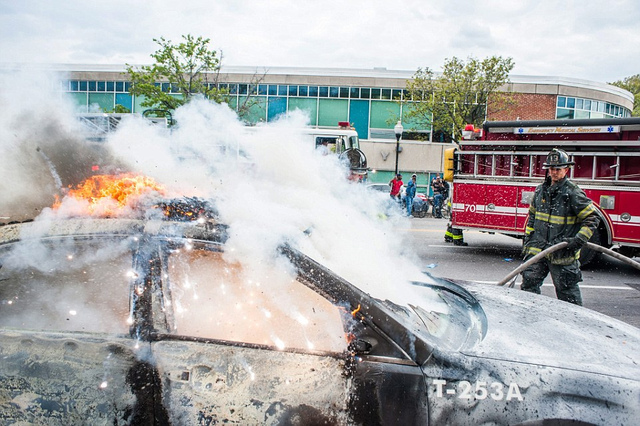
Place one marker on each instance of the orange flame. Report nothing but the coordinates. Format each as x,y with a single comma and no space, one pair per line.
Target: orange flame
355,311
109,195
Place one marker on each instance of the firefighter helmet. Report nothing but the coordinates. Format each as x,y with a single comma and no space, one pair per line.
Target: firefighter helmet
557,158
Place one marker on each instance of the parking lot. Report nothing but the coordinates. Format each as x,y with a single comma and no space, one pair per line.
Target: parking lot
610,286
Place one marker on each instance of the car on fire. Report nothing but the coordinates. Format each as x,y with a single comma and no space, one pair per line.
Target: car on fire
145,321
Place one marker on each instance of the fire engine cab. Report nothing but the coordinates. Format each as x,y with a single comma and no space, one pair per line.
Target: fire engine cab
496,169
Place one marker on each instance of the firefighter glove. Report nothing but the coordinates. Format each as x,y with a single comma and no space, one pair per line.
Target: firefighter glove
575,244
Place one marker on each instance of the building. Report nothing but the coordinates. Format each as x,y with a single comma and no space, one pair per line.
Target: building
365,98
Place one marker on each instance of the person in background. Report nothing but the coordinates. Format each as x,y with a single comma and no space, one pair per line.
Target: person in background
560,211
396,185
438,196
410,193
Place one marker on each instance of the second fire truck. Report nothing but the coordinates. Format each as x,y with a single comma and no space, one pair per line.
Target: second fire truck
495,171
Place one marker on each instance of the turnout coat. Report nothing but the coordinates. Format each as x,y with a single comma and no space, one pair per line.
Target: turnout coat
558,212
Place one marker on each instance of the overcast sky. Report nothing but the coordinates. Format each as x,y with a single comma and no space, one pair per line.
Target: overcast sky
586,39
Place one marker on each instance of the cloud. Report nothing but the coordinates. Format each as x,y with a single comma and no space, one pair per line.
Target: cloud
575,39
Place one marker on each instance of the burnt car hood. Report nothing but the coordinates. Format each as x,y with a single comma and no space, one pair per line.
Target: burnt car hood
534,329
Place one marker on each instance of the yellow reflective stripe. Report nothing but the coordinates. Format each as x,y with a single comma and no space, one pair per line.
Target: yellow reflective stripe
545,217
586,211
528,230
586,232
533,250
532,210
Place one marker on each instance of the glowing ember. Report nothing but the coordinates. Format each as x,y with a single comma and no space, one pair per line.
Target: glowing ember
109,195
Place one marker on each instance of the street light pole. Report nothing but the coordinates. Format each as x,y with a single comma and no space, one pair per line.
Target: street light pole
398,131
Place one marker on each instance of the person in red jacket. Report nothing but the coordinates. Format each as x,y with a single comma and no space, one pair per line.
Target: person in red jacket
396,185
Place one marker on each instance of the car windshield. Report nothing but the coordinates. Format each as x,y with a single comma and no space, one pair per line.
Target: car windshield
454,321
97,284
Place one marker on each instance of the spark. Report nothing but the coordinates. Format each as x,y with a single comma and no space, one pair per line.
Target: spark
70,256
73,312
103,385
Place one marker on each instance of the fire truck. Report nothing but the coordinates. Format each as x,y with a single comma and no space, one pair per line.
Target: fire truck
495,170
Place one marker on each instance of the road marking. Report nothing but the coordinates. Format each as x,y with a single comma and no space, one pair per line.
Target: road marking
604,287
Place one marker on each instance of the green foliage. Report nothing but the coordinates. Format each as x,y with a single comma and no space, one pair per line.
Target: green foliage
459,95
189,67
632,84
121,109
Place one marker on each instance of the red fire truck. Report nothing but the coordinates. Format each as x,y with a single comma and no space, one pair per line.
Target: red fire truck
495,171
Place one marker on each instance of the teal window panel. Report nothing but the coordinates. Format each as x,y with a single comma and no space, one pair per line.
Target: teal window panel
413,123
384,114
257,110
275,107
563,113
310,106
80,100
331,111
104,101
137,104
125,99
359,117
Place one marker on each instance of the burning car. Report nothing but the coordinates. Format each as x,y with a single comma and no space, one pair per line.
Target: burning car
146,320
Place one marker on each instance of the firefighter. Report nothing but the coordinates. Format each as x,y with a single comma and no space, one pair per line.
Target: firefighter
454,235
560,211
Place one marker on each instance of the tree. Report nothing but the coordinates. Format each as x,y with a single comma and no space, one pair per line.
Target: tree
180,72
632,84
458,96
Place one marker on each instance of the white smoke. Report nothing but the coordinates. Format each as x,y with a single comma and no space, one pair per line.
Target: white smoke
270,185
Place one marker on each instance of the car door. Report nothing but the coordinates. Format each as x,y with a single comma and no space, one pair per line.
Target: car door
65,351
241,350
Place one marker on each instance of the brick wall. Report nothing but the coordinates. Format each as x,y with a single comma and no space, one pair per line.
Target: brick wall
525,106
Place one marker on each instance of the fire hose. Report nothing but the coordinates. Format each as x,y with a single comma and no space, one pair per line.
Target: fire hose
557,247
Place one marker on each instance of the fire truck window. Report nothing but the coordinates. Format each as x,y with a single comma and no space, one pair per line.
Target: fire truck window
503,165
584,167
629,169
212,298
484,164
467,164
328,142
538,161
606,167
521,165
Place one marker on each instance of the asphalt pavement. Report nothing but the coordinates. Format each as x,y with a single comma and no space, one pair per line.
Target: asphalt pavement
609,286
